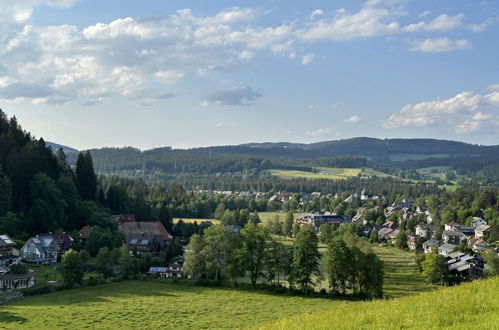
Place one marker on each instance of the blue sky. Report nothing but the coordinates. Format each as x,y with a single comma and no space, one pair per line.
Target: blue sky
154,73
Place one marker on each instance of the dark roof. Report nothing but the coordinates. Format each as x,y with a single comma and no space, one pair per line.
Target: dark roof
64,241
122,218
139,228
85,232
431,242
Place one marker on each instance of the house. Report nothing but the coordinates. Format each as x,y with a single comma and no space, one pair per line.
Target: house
383,233
425,230
157,271
84,234
8,254
393,235
477,222
363,195
446,249
319,218
482,231
10,281
421,209
412,241
143,243
64,241
465,265
430,218
479,245
145,236
453,236
467,231
431,246
40,250
450,225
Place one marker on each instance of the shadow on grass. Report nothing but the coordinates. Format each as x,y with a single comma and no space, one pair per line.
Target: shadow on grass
8,317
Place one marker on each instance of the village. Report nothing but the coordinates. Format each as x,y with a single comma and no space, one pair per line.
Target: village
405,226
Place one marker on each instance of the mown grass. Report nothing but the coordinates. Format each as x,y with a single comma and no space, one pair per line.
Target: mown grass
402,276
468,306
155,304
271,216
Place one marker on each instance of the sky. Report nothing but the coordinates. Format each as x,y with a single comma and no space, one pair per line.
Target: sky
152,73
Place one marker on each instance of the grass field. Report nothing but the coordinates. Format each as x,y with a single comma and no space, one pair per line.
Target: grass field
267,216
333,173
187,220
402,276
468,306
180,305
155,304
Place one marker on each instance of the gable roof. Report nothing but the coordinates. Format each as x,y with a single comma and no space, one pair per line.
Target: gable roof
447,247
64,241
41,243
482,228
431,243
140,228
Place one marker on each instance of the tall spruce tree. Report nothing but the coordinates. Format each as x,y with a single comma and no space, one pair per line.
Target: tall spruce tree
86,180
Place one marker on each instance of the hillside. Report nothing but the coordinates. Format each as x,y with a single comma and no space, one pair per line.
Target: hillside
466,159
468,306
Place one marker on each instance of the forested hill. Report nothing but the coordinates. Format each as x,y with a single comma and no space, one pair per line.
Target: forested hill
355,152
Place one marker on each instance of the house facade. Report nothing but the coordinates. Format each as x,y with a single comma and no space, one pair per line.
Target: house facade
40,250
8,254
10,281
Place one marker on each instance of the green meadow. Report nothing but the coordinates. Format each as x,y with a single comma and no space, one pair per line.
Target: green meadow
333,173
468,306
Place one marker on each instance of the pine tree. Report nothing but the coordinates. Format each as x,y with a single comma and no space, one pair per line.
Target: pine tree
86,180
305,257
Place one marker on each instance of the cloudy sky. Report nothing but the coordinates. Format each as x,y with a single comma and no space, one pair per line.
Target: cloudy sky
148,73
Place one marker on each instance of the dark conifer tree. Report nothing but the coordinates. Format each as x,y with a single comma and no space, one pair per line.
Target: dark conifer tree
86,180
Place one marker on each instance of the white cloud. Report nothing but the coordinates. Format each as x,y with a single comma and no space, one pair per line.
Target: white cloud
424,14
369,21
313,107
353,119
320,132
466,112
443,22
317,12
482,27
439,45
307,58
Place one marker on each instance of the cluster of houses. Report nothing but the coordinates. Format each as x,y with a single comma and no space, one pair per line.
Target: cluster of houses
466,265
319,218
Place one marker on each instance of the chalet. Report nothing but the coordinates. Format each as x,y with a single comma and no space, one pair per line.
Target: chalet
8,254
143,243
482,231
446,249
157,271
40,250
10,281
453,236
477,222
412,241
431,246
145,236
175,267
64,241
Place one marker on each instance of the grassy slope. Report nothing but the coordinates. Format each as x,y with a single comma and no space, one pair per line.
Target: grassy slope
469,306
154,304
401,274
